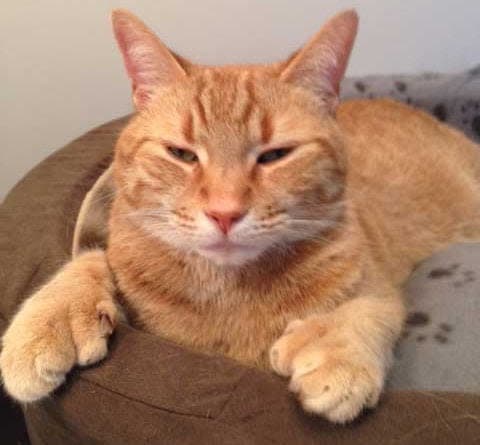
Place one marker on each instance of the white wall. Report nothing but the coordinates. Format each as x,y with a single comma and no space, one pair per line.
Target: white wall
60,73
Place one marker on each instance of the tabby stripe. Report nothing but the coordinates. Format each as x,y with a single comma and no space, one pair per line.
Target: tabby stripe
266,128
247,112
199,105
187,128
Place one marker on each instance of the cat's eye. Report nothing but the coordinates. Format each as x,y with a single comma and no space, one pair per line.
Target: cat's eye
183,155
273,155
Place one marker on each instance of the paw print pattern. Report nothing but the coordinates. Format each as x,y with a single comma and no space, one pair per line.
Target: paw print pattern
441,272
442,334
460,279
468,276
470,117
419,327
370,89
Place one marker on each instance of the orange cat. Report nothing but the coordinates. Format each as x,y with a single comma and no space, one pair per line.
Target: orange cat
257,218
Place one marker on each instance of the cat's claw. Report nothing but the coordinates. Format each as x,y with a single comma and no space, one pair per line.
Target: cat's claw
329,370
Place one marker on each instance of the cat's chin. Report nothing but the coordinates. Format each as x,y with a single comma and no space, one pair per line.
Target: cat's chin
234,256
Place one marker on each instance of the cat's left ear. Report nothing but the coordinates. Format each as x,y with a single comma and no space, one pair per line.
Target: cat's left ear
149,63
320,65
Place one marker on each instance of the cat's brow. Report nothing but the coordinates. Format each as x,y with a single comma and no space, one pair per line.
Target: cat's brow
321,141
139,143
160,141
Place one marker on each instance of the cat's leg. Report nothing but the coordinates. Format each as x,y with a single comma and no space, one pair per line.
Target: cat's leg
337,362
65,323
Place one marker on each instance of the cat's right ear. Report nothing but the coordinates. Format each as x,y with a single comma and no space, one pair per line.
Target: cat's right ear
149,63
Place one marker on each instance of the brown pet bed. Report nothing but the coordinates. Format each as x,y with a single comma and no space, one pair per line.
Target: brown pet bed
151,391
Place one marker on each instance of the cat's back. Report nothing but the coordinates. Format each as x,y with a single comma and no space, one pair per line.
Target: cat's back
413,180
391,128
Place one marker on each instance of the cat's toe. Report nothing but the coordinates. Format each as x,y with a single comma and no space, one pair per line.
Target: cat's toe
92,346
92,351
338,390
33,371
297,334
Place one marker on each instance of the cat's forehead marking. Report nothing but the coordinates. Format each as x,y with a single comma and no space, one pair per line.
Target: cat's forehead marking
226,107
187,128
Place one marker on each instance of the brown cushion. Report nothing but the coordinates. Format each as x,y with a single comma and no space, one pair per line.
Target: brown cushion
150,390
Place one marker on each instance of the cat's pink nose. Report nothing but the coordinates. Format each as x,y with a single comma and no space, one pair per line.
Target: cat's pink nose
225,219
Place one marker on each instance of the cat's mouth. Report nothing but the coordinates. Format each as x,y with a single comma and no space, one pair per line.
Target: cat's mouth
224,245
228,253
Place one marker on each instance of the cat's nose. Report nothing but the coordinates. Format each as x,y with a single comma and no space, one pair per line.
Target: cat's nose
225,219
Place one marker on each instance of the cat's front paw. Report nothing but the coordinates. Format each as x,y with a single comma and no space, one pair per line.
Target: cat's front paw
44,343
333,372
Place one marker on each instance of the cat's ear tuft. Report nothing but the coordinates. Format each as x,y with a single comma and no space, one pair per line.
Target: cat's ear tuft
320,65
149,63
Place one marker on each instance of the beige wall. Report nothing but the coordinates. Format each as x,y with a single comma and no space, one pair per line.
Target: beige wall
61,74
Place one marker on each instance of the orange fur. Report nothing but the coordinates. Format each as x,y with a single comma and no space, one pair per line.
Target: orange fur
318,241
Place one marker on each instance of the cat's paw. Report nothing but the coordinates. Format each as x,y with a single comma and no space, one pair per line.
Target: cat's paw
44,343
333,372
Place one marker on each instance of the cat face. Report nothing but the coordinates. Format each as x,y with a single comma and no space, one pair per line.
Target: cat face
230,162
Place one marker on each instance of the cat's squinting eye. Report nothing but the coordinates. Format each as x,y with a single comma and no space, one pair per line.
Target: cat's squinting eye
273,155
187,156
